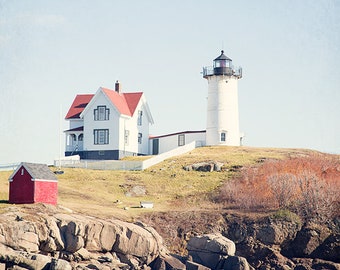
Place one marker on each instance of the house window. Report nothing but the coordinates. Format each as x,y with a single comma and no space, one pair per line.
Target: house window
181,139
140,116
101,136
126,137
223,136
101,113
22,171
140,136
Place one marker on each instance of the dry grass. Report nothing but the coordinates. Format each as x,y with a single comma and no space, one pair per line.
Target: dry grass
167,185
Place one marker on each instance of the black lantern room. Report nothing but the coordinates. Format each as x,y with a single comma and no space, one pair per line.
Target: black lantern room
222,65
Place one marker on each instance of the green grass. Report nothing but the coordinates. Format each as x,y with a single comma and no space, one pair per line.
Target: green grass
167,185
284,214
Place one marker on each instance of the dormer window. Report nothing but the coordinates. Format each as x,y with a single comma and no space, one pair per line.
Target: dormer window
101,113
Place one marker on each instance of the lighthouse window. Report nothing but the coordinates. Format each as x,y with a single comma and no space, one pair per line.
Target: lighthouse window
140,136
101,113
221,63
223,136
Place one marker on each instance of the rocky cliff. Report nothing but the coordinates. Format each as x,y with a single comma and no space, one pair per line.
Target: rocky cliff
267,242
39,237
44,237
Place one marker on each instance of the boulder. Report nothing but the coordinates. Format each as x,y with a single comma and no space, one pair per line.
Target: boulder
136,241
77,238
329,250
210,249
58,264
307,263
28,241
164,262
234,263
107,237
307,240
208,166
276,233
26,260
195,266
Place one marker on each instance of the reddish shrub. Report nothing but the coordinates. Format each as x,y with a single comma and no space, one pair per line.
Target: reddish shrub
308,185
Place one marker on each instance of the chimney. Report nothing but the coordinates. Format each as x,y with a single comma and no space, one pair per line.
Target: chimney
117,87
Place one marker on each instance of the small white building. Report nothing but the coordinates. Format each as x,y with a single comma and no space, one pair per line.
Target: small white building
108,125
165,143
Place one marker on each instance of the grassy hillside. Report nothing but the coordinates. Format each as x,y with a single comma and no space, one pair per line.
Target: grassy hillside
167,185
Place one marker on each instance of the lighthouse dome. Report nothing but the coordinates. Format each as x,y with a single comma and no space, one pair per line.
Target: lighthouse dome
222,65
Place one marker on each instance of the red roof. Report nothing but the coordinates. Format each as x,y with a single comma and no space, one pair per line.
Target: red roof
78,105
125,103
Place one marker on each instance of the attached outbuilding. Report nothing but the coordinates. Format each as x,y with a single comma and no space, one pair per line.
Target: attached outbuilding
33,183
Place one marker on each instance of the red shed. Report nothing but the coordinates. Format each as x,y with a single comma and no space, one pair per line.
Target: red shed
33,183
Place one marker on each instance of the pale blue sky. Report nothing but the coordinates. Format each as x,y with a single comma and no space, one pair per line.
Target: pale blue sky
52,50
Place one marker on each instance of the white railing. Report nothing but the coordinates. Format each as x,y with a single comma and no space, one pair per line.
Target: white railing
67,161
237,72
74,148
9,167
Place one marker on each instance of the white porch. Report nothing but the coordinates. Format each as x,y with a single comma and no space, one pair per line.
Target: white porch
74,140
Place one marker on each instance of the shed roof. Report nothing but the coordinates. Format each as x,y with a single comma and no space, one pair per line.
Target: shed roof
36,170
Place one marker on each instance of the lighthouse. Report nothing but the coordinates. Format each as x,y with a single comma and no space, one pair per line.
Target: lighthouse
222,109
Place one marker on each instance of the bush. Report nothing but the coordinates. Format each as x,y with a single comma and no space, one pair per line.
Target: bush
318,199
283,187
309,186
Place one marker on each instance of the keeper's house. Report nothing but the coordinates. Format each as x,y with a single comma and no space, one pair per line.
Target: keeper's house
33,183
108,125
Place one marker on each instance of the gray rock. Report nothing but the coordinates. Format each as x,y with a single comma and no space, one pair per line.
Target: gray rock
308,240
195,266
77,239
210,249
29,241
329,250
235,263
208,166
25,259
59,264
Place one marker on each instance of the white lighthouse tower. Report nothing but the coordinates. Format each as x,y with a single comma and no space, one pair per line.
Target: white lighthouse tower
222,110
